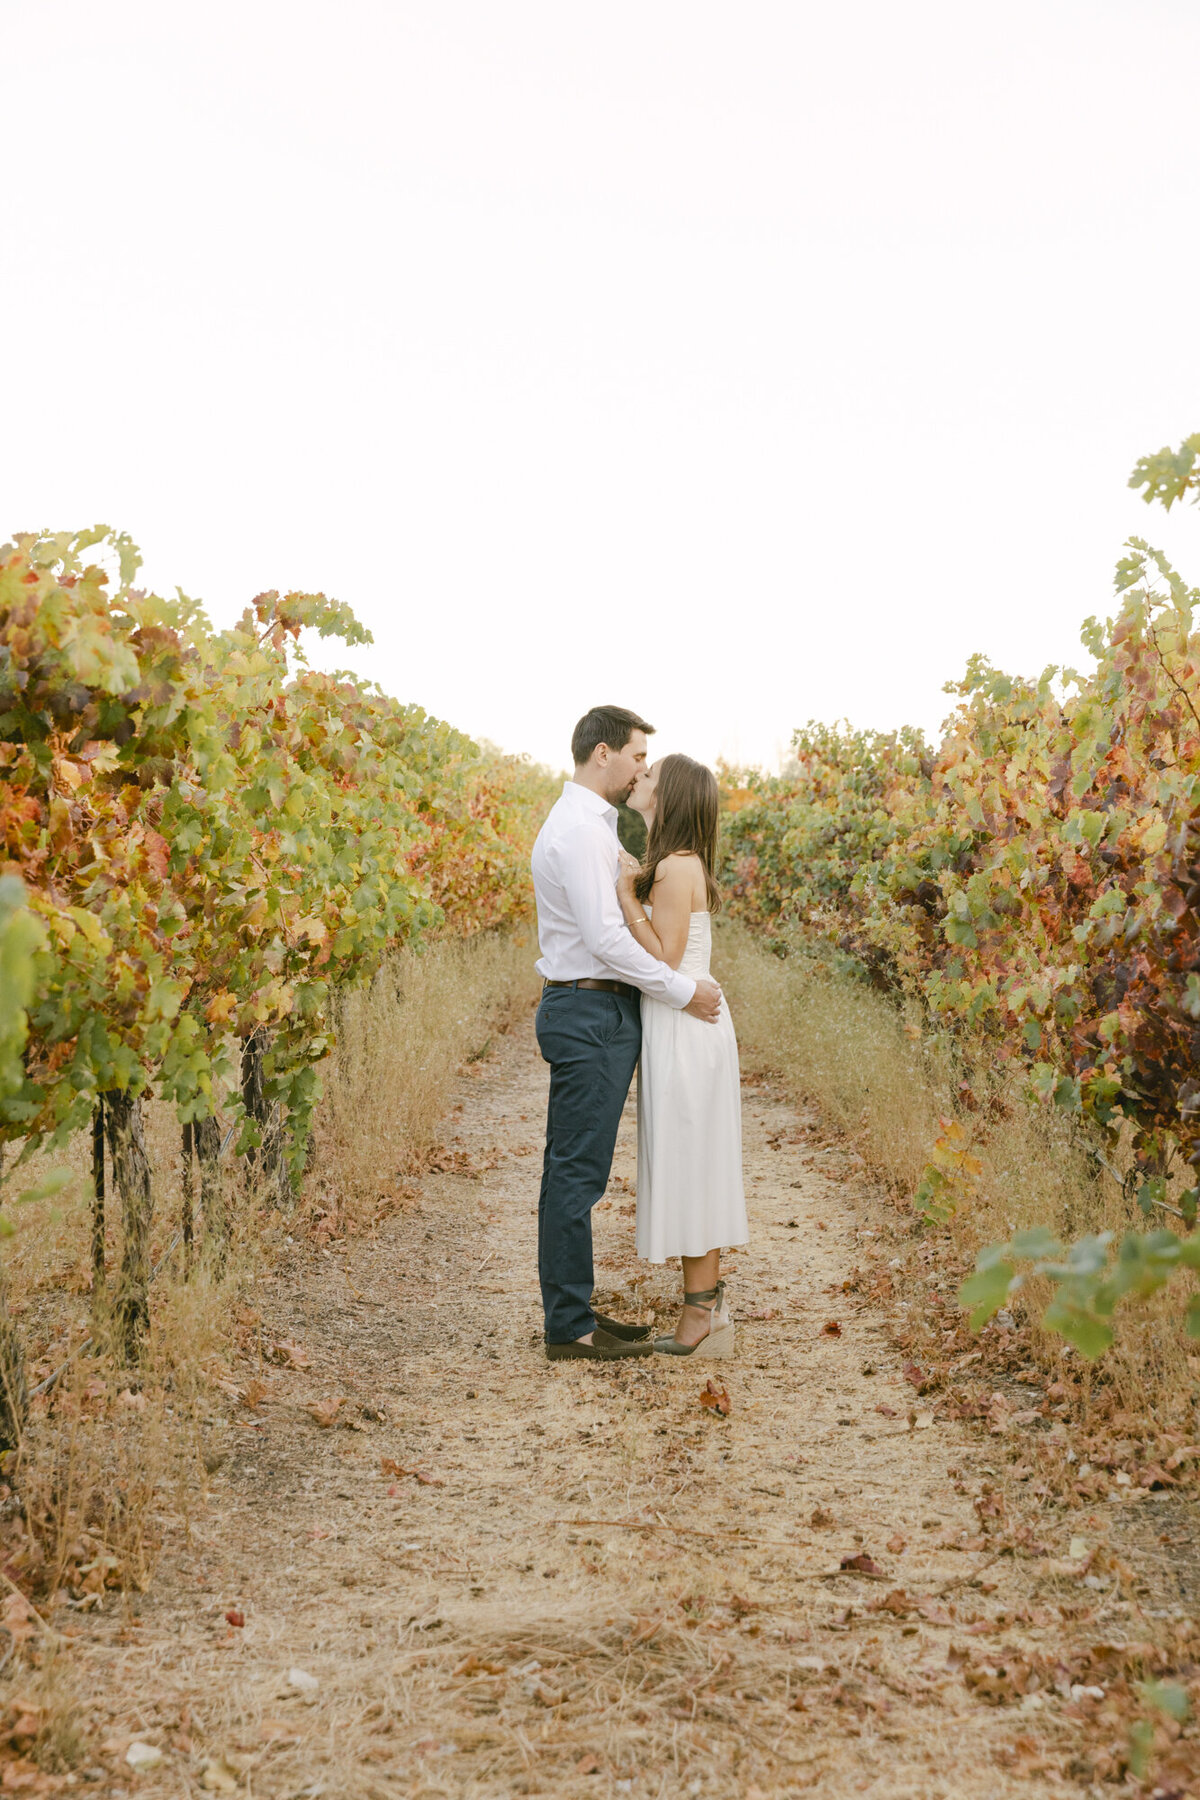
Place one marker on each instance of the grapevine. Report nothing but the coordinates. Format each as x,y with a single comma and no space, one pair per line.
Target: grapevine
1034,882
213,838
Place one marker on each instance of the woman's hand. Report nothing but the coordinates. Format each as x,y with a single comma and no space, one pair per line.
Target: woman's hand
627,870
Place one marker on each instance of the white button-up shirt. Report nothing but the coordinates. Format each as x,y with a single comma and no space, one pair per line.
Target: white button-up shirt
581,928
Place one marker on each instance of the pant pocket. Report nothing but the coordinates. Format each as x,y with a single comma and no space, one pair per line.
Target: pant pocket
614,1021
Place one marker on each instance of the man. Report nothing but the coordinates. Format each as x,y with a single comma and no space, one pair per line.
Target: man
589,1022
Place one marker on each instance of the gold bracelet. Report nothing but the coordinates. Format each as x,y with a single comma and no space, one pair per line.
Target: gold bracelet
644,920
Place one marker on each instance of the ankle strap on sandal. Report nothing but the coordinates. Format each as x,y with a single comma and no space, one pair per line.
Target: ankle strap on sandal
703,1299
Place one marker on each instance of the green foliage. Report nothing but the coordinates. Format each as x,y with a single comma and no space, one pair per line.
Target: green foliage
631,831
1170,1699
948,1179
795,845
1089,1281
1168,475
20,938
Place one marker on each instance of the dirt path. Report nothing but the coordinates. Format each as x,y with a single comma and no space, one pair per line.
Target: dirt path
591,1585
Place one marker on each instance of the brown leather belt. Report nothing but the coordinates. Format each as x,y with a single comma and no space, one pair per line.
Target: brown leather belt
601,987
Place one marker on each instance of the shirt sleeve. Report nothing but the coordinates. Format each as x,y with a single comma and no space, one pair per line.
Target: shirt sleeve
588,875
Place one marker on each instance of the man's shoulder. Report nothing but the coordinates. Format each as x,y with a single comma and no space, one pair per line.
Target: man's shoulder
567,839
565,821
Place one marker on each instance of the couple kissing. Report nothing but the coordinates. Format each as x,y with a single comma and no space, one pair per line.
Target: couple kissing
625,951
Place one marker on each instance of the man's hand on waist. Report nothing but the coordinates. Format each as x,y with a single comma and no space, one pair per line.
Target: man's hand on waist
705,1003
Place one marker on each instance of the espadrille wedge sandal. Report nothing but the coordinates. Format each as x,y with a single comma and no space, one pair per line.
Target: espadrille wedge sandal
718,1341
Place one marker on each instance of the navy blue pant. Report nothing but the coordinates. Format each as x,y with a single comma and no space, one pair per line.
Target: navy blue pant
591,1041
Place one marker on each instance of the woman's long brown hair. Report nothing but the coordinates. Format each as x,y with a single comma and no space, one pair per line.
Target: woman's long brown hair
687,808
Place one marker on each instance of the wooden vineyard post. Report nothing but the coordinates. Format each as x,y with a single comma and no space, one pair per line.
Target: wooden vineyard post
206,1137
131,1172
98,1201
189,1196
267,1160
14,1393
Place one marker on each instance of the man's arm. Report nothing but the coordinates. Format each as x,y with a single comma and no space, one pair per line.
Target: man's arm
589,878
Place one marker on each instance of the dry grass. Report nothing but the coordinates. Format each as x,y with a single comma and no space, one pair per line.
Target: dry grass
113,1459
879,1077
842,1046
401,1043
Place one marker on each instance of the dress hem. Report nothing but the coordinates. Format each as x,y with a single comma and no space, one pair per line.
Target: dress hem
658,1261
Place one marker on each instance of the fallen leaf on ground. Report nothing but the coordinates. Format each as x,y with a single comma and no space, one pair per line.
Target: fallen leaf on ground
821,1520
861,1564
715,1398
896,1602
19,1619
389,1466
999,1683
24,1774
920,1421
325,1412
289,1354
889,1412
27,1723
474,1665
255,1392
235,1616
831,1328
896,1544
588,1765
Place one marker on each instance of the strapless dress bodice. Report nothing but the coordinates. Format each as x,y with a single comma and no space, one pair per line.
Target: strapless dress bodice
697,955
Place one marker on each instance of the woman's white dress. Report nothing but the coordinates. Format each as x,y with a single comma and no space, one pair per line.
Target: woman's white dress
690,1197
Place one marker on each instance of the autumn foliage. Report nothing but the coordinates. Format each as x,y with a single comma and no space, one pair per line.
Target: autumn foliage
214,837
1034,881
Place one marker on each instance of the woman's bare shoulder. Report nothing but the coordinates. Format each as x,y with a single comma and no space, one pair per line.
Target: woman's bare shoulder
679,869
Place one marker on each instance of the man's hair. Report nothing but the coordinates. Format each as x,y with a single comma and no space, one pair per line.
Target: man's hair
611,725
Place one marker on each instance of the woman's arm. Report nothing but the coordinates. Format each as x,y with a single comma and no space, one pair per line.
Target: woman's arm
666,937
635,913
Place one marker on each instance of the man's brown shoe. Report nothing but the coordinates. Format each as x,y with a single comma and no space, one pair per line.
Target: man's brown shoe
603,1348
629,1334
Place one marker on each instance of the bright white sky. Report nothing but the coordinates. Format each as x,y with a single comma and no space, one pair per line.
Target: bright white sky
737,363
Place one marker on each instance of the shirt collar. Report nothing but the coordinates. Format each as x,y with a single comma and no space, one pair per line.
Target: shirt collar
594,802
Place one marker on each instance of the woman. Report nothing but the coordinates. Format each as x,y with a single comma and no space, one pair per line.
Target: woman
690,1199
